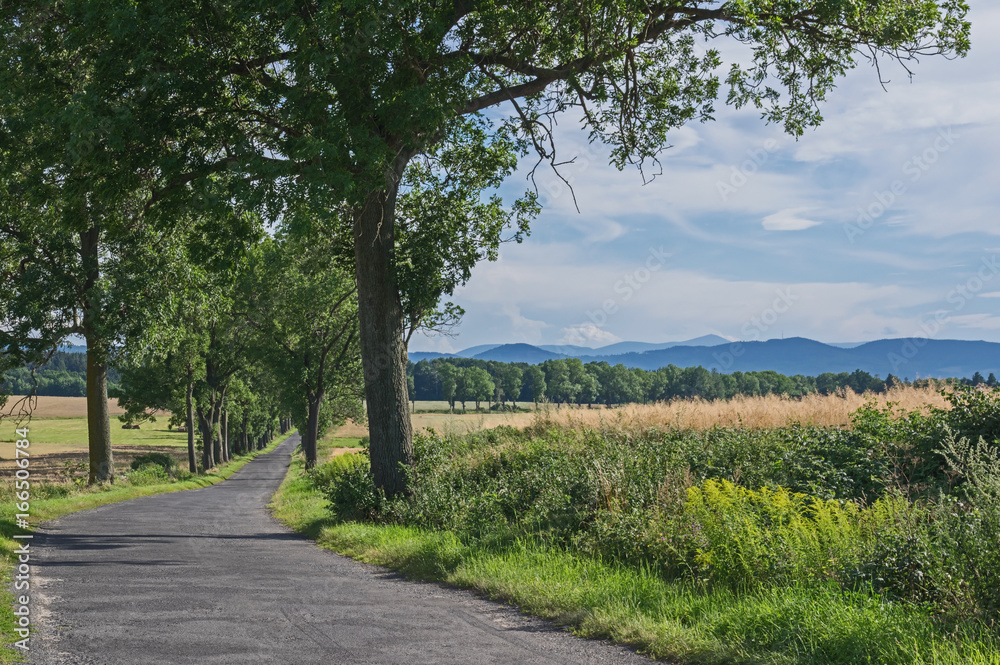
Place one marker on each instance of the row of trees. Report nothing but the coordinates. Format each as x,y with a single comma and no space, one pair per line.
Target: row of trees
273,338
570,381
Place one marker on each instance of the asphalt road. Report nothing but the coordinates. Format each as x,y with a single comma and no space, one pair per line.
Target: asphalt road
208,576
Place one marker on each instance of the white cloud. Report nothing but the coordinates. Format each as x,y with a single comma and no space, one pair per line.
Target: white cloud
994,294
977,321
587,334
525,329
789,220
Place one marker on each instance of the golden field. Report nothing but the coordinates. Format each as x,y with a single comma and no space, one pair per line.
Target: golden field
59,424
765,411
757,412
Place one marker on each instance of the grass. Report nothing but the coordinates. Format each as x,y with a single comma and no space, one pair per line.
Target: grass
53,407
71,433
760,411
83,499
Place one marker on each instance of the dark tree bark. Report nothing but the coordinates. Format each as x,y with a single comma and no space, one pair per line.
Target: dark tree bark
309,440
244,440
383,350
225,435
102,467
192,460
205,424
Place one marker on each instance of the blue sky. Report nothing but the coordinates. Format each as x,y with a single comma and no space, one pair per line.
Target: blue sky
881,223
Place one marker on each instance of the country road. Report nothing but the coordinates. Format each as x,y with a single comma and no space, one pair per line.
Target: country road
208,576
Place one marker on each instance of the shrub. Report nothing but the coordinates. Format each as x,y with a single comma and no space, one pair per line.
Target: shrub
149,473
347,483
162,460
974,413
747,539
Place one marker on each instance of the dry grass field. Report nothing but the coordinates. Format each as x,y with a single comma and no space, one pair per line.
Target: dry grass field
758,412
767,411
59,425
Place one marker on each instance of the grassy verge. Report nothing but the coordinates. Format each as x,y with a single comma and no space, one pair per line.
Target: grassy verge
635,606
47,509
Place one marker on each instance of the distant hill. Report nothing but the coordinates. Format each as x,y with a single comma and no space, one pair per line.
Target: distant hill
518,353
73,348
417,356
906,358
474,351
630,347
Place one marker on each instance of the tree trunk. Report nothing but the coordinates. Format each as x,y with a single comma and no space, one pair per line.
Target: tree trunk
216,415
244,439
225,436
102,466
383,351
192,460
205,424
309,441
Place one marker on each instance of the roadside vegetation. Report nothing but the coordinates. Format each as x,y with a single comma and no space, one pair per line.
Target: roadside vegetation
871,543
154,473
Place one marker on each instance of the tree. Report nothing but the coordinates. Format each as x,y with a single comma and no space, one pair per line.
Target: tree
479,385
536,383
512,379
303,308
338,103
448,374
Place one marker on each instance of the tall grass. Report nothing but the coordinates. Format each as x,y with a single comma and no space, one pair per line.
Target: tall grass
741,411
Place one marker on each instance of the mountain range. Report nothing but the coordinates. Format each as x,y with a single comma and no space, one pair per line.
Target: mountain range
905,358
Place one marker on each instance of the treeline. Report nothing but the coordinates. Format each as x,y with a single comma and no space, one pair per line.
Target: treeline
570,381
63,375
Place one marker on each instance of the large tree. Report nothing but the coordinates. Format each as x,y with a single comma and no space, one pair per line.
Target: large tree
335,100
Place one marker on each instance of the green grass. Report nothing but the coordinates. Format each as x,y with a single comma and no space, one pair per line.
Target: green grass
343,442
635,606
46,509
73,432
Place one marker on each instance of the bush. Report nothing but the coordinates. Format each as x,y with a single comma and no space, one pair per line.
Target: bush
162,460
149,473
974,413
347,483
749,539
896,507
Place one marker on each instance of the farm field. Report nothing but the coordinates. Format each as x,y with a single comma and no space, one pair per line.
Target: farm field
765,411
58,435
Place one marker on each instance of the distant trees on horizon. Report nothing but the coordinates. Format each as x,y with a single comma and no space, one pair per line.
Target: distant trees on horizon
571,381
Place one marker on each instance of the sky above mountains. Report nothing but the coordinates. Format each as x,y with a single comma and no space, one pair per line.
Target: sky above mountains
881,223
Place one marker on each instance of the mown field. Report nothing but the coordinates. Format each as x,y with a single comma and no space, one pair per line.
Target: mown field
865,536
58,435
